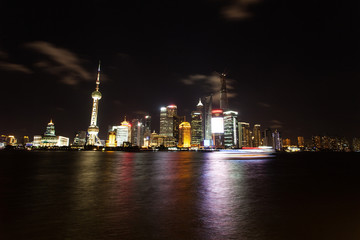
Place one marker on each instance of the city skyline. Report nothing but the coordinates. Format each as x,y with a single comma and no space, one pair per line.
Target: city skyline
294,75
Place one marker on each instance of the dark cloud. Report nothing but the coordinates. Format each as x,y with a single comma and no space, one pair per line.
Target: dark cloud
238,9
61,62
14,67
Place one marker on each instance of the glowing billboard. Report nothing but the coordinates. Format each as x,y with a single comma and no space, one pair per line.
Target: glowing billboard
217,125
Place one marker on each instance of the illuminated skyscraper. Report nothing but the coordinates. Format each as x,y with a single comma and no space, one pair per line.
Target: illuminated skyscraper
200,108
167,120
123,133
50,129
207,121
257,135
93,129
223,93
147,131
217,128
196,128
244,134
230,129
49,139
184,135
137,133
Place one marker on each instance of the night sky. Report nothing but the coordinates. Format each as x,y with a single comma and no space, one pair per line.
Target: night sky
292,65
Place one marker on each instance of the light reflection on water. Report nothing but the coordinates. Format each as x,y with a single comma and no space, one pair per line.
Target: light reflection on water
164,195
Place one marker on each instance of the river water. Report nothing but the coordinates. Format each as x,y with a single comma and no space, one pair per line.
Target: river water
178,195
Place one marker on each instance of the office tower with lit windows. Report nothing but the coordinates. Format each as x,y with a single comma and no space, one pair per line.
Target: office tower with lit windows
123,133
137,133
301,142
277,141
256,135
244,134
231,136
223,93
167,115
207,121
217,128
184,135
93,130
200,108
196,128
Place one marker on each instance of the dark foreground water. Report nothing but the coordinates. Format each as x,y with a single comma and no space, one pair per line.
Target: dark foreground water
181,195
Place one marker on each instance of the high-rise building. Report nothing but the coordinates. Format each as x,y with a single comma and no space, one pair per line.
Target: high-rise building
231,136
256,135
137,133
207,121
111,142
177,120
184,135
244,134
223,93
217,128
93,130
123,133
50,129
200,108
167,120
49,139
196,128
268,140
301,142
277,140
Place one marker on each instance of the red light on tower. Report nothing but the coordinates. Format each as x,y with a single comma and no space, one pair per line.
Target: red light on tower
217,111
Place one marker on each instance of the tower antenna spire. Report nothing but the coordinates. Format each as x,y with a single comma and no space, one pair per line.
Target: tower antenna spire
98,77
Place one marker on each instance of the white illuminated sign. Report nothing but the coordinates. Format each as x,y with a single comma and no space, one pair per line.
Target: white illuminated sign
217,125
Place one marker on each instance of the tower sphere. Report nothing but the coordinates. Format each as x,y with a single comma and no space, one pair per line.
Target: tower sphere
96,95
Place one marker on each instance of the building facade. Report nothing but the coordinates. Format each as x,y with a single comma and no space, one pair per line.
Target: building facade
231,137
184,135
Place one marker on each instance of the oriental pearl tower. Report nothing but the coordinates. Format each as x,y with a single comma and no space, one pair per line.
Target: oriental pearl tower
93,130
